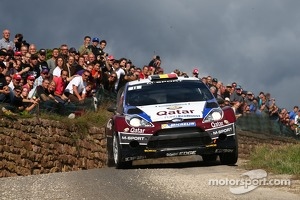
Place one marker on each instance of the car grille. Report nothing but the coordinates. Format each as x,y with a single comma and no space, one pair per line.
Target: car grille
180,137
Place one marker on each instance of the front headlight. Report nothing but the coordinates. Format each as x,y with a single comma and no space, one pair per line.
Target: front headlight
137,121
213,115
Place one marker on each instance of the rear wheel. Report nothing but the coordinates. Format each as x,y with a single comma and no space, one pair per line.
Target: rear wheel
117,155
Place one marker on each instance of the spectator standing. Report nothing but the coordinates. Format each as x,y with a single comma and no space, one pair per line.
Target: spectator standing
102,46
24,51
214,84
144,73
94,47
4,90
64,50
297,123
34,68
251,102
60,65
32,49
85,47
196,73
236,96
51,62
42,63
19,42
109,81
70,67
5,42
294,113
91,58
155,62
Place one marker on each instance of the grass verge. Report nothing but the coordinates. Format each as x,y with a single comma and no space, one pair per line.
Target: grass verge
283,159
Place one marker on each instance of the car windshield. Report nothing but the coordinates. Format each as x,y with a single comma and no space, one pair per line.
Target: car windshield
167,92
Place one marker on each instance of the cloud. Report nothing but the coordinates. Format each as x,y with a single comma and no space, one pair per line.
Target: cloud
252,42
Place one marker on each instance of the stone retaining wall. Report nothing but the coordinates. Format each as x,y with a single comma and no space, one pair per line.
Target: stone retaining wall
37,147
30,146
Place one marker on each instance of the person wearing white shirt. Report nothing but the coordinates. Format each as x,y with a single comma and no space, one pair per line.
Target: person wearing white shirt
75,90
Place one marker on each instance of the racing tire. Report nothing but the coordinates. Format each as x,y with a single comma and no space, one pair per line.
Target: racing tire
209,157
229,158
117,155
110,159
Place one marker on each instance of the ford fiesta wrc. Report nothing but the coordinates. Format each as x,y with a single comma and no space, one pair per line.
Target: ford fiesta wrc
165,116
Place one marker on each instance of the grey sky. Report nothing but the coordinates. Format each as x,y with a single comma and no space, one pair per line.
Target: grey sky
252,42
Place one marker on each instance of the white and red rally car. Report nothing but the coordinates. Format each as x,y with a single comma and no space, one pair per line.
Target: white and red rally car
166,115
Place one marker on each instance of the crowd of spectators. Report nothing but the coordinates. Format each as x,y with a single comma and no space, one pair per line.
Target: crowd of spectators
68,78
246,103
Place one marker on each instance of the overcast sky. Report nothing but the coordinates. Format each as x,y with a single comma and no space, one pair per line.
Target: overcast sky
252,42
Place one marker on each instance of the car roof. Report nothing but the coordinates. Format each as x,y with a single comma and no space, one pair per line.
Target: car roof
148,80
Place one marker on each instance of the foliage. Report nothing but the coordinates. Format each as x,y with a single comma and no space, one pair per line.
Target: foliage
282,159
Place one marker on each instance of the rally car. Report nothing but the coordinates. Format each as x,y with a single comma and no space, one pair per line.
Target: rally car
166,115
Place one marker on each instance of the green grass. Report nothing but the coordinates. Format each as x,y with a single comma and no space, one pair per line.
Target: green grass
284,159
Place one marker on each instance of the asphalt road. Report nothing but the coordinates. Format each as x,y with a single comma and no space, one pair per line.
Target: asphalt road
154,182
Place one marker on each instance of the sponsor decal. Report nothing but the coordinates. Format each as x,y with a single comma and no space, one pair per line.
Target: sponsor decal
228,130
134,130
218,132
182,153
150,150
177,120
174,107
137,130
174,112
135,158
138,87
138,138
216,124
126,138
224,150
211,145
176,125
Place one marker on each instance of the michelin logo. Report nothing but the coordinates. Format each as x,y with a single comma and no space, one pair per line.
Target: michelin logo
177,125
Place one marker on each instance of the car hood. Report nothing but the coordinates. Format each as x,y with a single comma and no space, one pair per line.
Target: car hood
166,112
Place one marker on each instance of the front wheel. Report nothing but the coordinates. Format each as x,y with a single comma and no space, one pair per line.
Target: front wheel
209,158
117,154
110,158
229,158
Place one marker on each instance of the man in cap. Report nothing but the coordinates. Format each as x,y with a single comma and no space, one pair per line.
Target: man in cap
94,47
42,63
251,102
236,96
16,79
